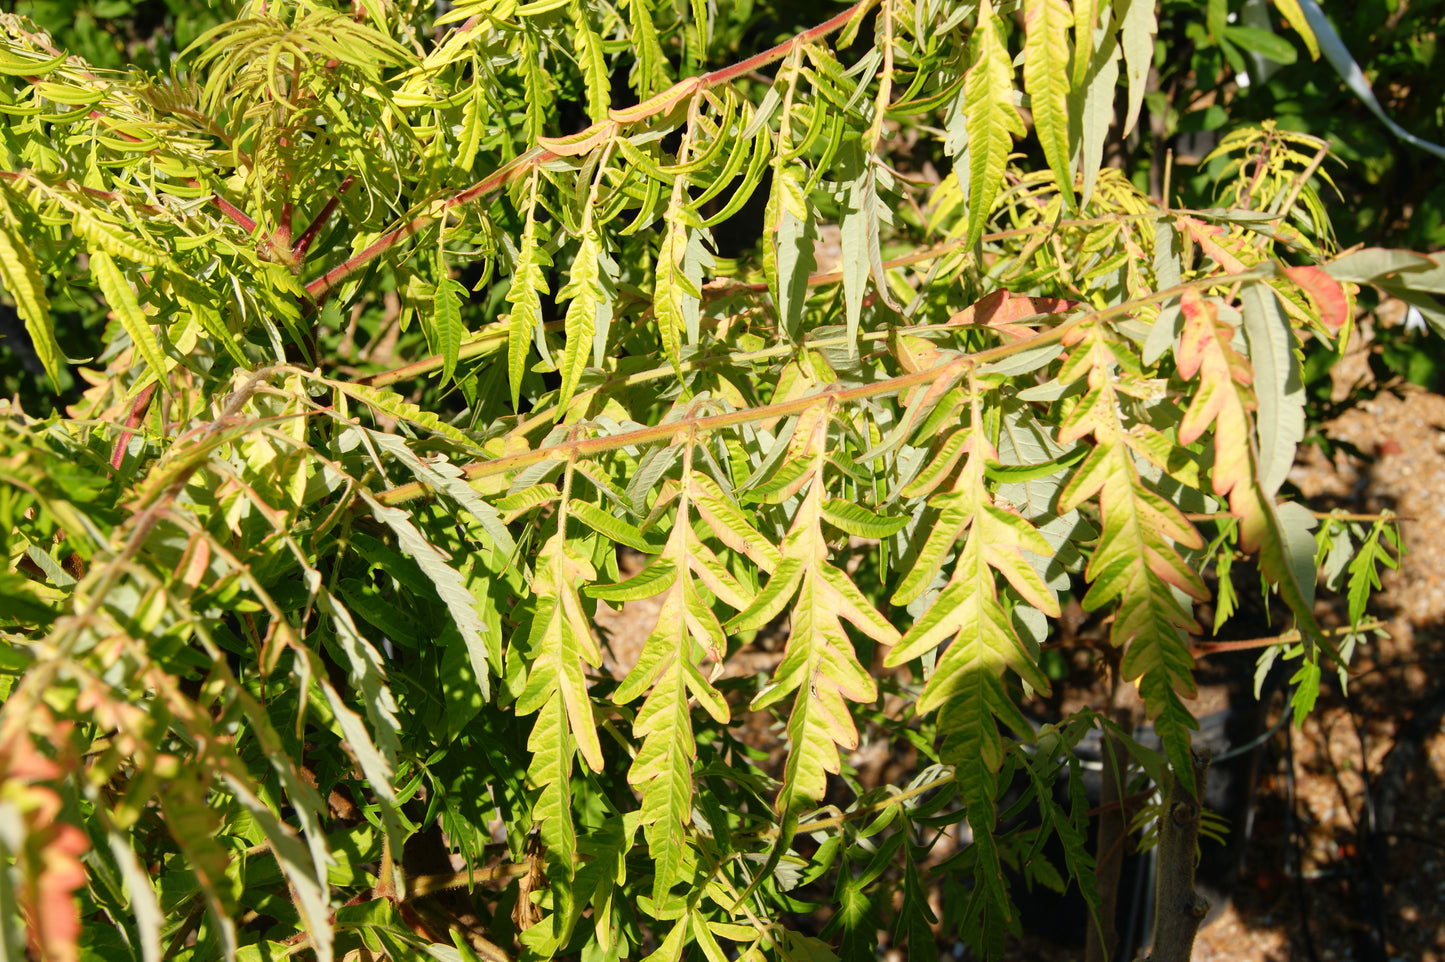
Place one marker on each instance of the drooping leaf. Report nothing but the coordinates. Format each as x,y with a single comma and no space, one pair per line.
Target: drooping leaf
1046,79
128,311
447,321
22,279
584,289
1138,26
448,584
819,666
394,405
1277,382
990,117
529,281
1101,78
674,293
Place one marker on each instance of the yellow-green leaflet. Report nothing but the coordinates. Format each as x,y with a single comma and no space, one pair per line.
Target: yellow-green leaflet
1046,78
127,309
584,287
447,321
23,281
1137,29
990,117
529,281
113,240
395,405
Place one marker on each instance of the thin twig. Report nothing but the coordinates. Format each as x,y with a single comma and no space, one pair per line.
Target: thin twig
947,370
607,128
1284,638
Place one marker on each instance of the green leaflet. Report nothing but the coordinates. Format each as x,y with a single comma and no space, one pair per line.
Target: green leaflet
529,497
1030,472
141,891
305,872
698,32
729,525
551,744
1266,43
938,469
759,153
22,279
1280,421
788,254
472,121
1290,10
876,215
1100,80
528,282
611,526
1046,62
1364,566
594,66
445,477
788,478
1137,29
990,117
366,602
368,674
376,766
858,520
853,228
390,403
1296,527
663,770
538,86
651,580
584,289
674,293
122,301
104,237
25,67
864,214
447,322
1281,536
448,584
1166,274
1086,20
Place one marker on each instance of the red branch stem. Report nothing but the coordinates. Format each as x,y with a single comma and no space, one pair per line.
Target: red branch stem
303,243
237,215
132,421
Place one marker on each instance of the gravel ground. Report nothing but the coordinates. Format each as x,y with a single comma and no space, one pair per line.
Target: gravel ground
1368,766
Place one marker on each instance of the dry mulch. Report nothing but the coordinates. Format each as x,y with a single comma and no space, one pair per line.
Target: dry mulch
1369,764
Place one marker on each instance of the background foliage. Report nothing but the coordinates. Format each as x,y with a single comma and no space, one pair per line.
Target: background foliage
380,333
